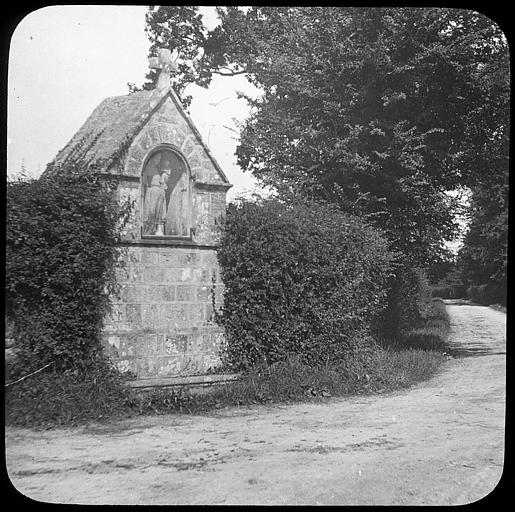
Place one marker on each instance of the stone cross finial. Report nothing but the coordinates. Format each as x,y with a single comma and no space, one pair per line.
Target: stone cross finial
167,64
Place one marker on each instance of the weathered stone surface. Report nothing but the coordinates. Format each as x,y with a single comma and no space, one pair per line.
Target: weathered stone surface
162,320
165,309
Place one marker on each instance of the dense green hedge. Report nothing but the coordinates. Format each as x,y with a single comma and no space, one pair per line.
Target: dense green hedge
300,278
67,396
61,234
409,301
487,294
445,292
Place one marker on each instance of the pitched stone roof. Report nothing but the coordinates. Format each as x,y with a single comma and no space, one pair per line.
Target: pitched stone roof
114,121
112,126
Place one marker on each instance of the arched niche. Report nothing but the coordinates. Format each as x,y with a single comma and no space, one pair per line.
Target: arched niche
165,194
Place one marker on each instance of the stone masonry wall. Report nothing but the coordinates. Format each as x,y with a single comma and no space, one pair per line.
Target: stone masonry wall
162,323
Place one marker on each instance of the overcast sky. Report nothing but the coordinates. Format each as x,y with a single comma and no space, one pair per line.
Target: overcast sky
64,60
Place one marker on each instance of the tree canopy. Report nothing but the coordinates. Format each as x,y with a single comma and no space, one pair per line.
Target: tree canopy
379,110
483,256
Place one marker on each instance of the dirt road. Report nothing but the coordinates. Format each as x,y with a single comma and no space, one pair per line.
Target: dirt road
439,443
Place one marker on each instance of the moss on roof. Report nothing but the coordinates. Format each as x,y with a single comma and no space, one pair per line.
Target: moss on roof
111,128
112,123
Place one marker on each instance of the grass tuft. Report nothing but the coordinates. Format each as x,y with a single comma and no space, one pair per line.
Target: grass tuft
433,335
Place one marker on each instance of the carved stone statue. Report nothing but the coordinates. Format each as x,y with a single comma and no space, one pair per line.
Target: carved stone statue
155,203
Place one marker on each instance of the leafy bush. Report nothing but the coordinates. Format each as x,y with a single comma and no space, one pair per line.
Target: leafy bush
60,251
443,292
90,391
409,301
300,278
487,294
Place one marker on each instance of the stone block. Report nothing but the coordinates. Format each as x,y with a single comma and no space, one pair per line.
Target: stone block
196,314
209,315
185,293
121,274
155,344
133,314
129,293
189,259
168,311
118,312
195,342
153,274
165,292
175,343
135,274
161,322
201,275
182,318
170,275
146,367
150,256
133,256
207,343
218,204
149,314
169,258
193,364
186,274
169,366
203,234
212,361
209,259
203,293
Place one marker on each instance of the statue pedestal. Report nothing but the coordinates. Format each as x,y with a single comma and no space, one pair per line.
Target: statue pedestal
160,229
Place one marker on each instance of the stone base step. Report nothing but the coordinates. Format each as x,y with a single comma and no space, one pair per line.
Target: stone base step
188,381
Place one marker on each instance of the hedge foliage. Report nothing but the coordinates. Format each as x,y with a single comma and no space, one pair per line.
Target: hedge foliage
445,292
61,234
300,278
67,396
487,294
409,301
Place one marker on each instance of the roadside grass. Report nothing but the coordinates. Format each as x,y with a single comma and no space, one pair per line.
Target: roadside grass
434,332
290,381
50,399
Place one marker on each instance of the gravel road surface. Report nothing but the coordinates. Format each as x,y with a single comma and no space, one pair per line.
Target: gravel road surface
438,443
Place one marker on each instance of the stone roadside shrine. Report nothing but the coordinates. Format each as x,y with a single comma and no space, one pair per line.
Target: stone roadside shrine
162,324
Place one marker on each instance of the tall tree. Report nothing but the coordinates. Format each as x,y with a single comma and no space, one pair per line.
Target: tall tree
366,107
483,257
